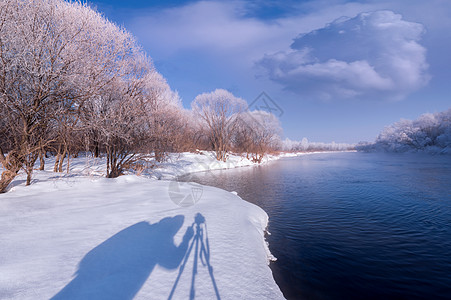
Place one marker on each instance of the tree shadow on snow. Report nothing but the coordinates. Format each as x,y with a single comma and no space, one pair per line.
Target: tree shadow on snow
118,267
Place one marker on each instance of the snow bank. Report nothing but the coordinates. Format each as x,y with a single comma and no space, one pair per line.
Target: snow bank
176,164
83,236
184,163
179,164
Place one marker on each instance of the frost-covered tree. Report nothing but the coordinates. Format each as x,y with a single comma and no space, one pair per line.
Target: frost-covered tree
54,57
306,146
429,133
257,133
164,115
70,80
218,111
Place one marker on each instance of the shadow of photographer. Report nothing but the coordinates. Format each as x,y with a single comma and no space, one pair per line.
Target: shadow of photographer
201,247
118,267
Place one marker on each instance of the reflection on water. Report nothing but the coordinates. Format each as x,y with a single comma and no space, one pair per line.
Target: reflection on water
353,225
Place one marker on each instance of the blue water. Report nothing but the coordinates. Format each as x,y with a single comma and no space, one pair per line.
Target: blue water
353,225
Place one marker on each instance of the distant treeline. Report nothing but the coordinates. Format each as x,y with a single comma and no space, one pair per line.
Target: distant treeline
429,133
305,146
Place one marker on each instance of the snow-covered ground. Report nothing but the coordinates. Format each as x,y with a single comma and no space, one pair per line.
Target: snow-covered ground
183,163
83,236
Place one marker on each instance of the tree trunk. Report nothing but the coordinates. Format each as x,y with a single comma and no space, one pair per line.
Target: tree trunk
29,174
108,153
41,160
96,149
29,165
115,172
63,156
7,177
68,163
114,169
12,164
57,159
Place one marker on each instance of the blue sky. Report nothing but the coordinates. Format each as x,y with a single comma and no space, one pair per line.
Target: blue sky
340,70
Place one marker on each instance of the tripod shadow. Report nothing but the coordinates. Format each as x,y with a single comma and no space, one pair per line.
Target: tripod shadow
201,251
118,267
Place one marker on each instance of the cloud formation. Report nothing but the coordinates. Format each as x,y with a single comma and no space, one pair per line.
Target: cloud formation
223,27
374,55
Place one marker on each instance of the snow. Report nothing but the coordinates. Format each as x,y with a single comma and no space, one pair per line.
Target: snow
83,236
178,164
430,133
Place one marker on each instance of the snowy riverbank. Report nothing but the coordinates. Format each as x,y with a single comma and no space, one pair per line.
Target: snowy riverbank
87,237
185,163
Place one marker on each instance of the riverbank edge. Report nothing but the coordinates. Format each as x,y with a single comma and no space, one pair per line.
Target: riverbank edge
85,168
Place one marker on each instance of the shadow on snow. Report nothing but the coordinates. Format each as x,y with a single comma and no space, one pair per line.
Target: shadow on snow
118,267
202,252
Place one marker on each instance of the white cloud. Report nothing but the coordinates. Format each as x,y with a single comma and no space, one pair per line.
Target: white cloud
373,55
225,28
211,26
216,37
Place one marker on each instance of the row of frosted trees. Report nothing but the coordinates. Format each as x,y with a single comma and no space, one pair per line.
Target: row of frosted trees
72,81
306,146
429,133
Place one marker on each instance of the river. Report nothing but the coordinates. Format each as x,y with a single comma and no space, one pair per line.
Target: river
353,225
